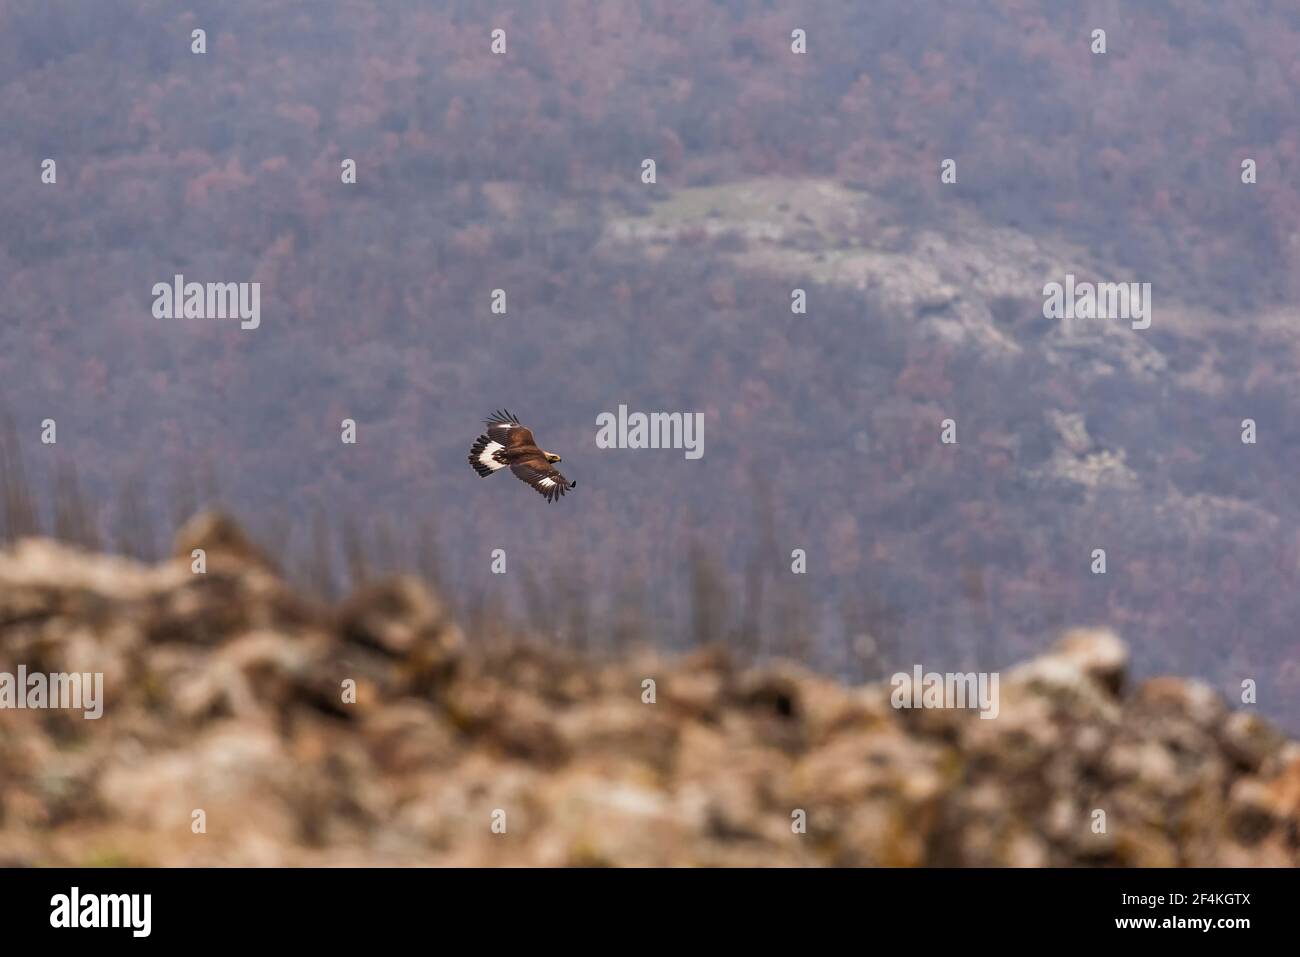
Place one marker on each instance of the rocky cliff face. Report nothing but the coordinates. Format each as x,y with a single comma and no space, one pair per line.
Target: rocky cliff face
227,694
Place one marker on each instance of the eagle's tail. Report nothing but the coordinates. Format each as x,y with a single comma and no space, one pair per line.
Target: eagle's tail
487,456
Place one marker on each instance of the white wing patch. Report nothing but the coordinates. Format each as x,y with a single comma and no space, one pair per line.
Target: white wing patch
546,482
487,458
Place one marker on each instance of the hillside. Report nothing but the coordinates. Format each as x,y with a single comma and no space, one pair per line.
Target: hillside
776,170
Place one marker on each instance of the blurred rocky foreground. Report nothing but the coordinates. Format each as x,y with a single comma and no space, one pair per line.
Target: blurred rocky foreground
223,692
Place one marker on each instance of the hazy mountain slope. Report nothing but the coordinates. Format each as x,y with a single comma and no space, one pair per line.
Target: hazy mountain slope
522,173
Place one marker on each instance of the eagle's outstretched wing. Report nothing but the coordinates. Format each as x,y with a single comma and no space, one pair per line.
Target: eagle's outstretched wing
542,475
504,428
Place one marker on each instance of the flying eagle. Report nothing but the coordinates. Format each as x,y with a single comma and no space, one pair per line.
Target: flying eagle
509,443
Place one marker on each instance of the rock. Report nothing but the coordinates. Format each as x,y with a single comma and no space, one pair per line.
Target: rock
223,541
401,618
1099,654
225,692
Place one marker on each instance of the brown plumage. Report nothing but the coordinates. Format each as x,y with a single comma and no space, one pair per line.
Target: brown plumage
507,443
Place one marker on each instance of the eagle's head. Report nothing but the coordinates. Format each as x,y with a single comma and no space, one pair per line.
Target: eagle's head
552,457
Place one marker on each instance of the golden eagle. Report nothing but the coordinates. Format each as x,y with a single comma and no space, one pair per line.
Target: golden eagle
509,443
